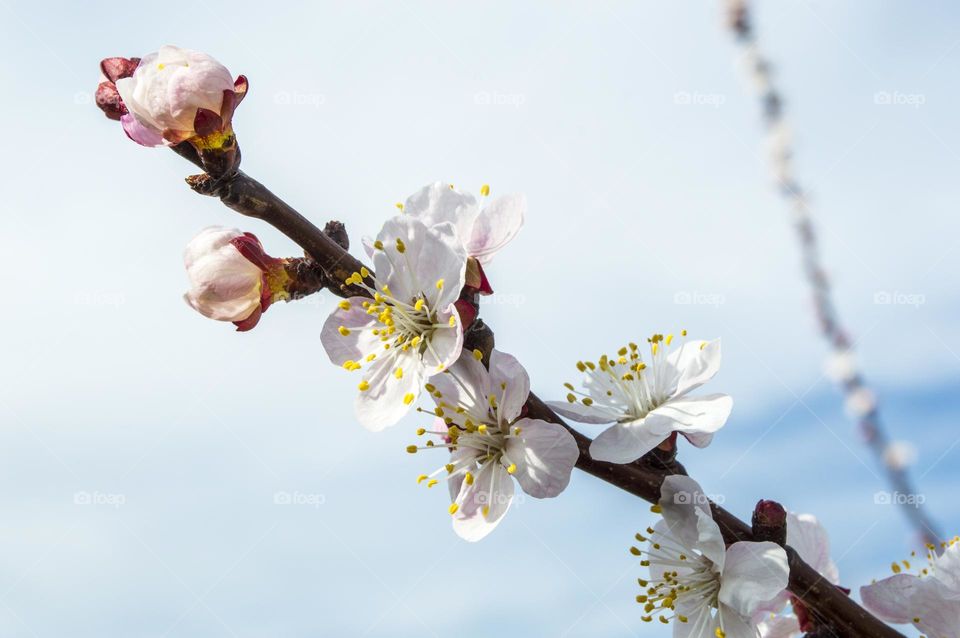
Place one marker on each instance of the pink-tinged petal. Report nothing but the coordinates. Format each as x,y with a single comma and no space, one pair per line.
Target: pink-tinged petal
581,413
140,133
753,573
367,243
695,365
356,341
809,538
438,203
544,454
510,383
691,416
389,396
947,567
627,442
893,599
496,226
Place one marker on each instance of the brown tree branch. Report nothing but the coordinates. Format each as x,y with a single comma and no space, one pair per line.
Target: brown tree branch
641,478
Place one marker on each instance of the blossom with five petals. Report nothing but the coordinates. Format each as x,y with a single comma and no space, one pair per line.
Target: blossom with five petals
480,420
648,401
706,588
410,328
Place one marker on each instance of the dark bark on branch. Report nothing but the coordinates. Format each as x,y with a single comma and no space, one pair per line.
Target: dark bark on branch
642,478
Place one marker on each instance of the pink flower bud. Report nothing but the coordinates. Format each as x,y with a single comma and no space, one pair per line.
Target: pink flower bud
231,277
175,95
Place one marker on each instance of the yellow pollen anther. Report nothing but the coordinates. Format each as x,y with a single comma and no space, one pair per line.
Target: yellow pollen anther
364,385
440,284
408,398
344,305
588,401
412,449
422,478
432,482
453,321
485,190
571,398
399,206
398,373
482,428
477,355
468,479
401,247
895,568
656,509
421,431
344,331
512,468
364,272
453,508
419,304
719,633
378,245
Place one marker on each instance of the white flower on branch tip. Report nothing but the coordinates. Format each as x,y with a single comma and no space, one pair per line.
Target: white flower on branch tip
648,401
410,329
231,277
808,537
929,600
484,228
169,87
479,419
707,589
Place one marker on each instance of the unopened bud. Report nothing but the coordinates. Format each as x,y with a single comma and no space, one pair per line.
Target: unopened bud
770,522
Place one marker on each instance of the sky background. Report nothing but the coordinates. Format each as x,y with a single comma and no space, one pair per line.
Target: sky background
183,433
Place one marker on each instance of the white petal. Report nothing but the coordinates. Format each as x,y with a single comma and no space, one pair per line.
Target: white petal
809,538
467,390
733,624
483,504
510,383
388,398
497,225
438,202
695,365
446,344
359,342
699,623
432,264
779,627
691,415
753,574
545,454
710,539
580,413
893,599
680,498
627,442
947,567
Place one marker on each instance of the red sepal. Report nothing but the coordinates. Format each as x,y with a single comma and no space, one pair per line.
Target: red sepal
108,100
240,86
250,247
117,68
206,122
467,312
485,288
250,322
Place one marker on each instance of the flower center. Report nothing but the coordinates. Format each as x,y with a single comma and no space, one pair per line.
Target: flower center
693,581
624,384
474,433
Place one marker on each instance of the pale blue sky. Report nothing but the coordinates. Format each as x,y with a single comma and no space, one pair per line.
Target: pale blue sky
110,385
